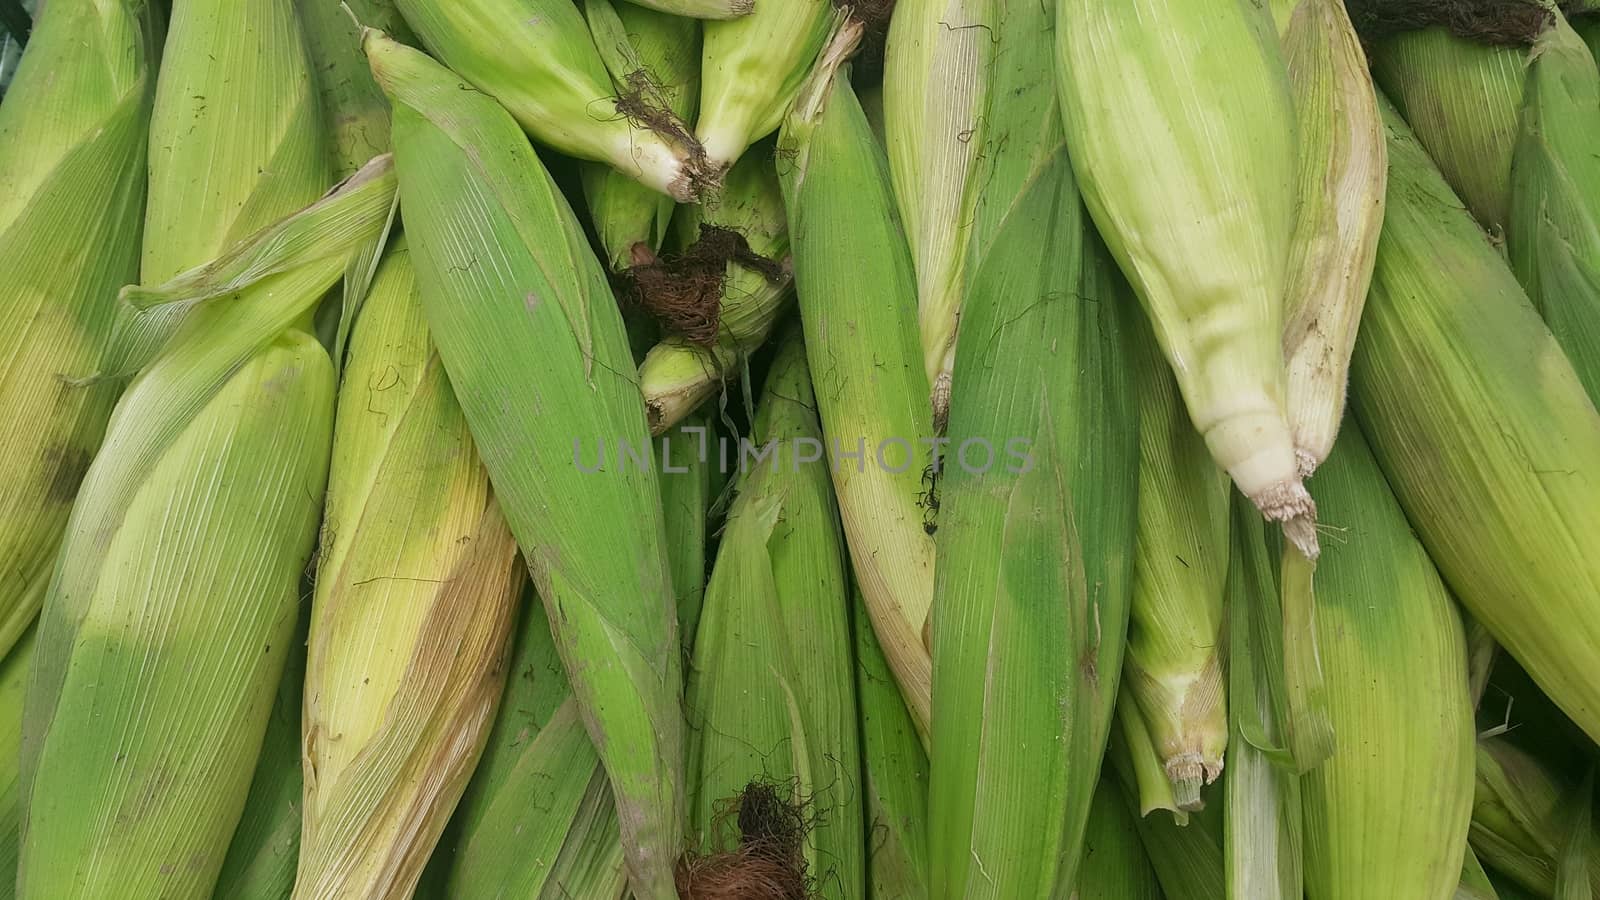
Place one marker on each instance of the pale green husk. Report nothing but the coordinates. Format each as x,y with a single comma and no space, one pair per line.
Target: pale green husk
686,498
663,52
538,59
73,136
751,69
1174,665
1518,817
1397,697
1484,432
183,556
1201,218
1342,173
857,300
1462,100
1553,239
939,67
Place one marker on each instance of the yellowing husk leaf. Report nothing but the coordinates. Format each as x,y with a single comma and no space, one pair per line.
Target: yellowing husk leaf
538,59
1462,100
1484,432
857,301
537,820
751,69
416,591
73,135
1393,649
1174,676
1554,234
1342,173
939,65
894,774
502,266
1037,513
183,556
771,696
1201,218
677,375
655,52
1114,866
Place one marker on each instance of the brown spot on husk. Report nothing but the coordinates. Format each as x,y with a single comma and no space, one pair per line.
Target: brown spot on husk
768,864
1496,22
683,291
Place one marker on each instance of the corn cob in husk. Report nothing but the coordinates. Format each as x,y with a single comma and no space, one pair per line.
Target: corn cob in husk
1204,235
538,59
686,499
226,433
857,299
1484,432
1115,866
894,774
1343,170
265,850
649,51
502,265
771,698
679,374
1037,526
751,70
1462,100
264,855
1519,817
416,590
1553,239
1263,832
537,819
73,138
1173,671
939,66
1393,648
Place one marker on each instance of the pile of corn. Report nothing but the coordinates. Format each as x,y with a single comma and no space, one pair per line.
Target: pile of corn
711,449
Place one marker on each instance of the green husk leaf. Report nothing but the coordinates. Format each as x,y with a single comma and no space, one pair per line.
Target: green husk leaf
503,265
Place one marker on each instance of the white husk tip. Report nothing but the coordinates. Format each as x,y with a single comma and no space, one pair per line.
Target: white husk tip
1187,772
1290,503
1306,462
